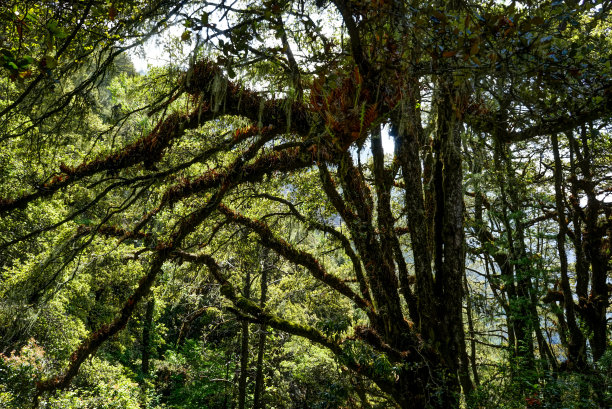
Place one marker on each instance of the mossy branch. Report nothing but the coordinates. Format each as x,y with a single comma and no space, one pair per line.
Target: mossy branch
300,257
250,311
346,244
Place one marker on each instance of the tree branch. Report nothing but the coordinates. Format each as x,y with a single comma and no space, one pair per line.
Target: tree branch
300,257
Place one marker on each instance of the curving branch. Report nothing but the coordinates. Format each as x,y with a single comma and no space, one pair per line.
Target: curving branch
490,123
164,251
346,244
204,80
359,56
276,162
300,257
248,310
147,150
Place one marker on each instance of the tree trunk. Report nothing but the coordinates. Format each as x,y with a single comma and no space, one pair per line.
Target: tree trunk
576,341
405,132
597,303
244,348
472,334
516,279
146,336
261,347
590,248
449,238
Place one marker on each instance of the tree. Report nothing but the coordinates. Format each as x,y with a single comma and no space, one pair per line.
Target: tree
311,126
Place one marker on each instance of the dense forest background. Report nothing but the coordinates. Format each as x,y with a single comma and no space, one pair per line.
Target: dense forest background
328,204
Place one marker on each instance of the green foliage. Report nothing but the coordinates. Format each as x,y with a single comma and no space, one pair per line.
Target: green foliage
511,386
100,383
195,376
113,182
19,371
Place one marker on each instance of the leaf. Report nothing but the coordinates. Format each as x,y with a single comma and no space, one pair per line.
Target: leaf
49,62
448,54
55,29
31,16
8,55
186,35
204,18
25,61
52,26
25,74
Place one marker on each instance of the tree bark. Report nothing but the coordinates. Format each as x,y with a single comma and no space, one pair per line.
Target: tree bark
598,301
516,279
576,341
449,236
261,347
146,336
244,347
472,335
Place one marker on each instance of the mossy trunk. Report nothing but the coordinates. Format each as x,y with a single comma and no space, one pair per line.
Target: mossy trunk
146,336
244,348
